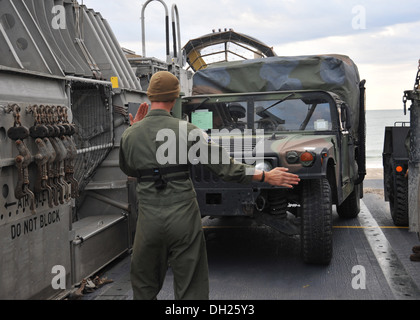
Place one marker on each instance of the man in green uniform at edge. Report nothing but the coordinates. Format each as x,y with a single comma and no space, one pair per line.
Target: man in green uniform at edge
169,229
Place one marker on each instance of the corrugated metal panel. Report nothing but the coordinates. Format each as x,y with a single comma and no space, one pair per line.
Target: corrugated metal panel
103,46
25,40
70,60
59,38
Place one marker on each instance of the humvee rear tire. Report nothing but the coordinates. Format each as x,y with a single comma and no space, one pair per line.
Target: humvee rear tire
350,207
316,215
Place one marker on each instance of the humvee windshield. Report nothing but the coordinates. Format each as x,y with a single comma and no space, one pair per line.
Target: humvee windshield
272,114
292,115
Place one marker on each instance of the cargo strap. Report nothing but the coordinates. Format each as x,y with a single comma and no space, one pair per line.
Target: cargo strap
158,175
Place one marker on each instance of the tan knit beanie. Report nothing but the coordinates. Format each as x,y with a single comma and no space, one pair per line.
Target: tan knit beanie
163,87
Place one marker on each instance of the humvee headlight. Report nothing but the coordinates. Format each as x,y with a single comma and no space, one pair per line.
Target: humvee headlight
264,166
307,159
292,157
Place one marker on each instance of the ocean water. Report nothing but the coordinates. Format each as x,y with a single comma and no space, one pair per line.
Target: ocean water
376,121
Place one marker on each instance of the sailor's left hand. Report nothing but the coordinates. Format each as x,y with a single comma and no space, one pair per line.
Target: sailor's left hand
281,178
141,113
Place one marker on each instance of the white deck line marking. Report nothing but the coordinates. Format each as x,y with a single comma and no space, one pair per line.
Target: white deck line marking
402,285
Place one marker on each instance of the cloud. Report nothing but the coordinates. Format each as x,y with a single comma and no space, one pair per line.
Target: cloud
386,57
397,43
381,36
271,21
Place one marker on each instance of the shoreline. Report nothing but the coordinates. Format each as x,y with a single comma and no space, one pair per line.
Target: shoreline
374,173
374,181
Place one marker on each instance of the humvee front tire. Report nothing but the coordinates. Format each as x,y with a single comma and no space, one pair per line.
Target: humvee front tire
316,215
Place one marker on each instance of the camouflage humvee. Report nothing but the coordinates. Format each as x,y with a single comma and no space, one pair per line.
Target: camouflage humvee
305,113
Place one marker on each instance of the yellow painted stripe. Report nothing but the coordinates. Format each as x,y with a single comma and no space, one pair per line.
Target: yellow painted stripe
230,227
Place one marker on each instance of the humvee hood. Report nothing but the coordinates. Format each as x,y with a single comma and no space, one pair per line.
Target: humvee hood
300,142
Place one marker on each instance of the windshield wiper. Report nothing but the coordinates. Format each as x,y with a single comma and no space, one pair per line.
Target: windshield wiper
261,112
308,116
200,105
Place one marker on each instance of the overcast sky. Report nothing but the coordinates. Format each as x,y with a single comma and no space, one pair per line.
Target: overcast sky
381,36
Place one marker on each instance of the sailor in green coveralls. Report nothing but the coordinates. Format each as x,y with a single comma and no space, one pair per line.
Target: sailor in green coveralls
169,229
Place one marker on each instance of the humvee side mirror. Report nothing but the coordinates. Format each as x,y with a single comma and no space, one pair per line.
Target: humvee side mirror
345,116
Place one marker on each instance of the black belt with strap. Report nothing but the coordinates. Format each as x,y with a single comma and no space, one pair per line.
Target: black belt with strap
158,175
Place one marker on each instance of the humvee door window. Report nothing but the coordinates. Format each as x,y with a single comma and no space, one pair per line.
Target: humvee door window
202,119
219,115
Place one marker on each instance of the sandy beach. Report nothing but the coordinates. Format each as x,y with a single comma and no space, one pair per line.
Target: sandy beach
373,182
374,173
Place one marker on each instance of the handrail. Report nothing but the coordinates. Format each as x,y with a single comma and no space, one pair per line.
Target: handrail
166,28
176,33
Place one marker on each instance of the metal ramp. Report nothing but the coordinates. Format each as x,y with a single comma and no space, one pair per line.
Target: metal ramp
58,56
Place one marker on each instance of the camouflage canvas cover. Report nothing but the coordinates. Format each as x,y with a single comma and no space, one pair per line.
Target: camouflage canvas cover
333,73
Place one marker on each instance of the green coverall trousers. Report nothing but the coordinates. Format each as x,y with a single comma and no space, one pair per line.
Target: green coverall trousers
170,234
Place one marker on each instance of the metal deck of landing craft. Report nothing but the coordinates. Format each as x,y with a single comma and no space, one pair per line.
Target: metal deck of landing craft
253,262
